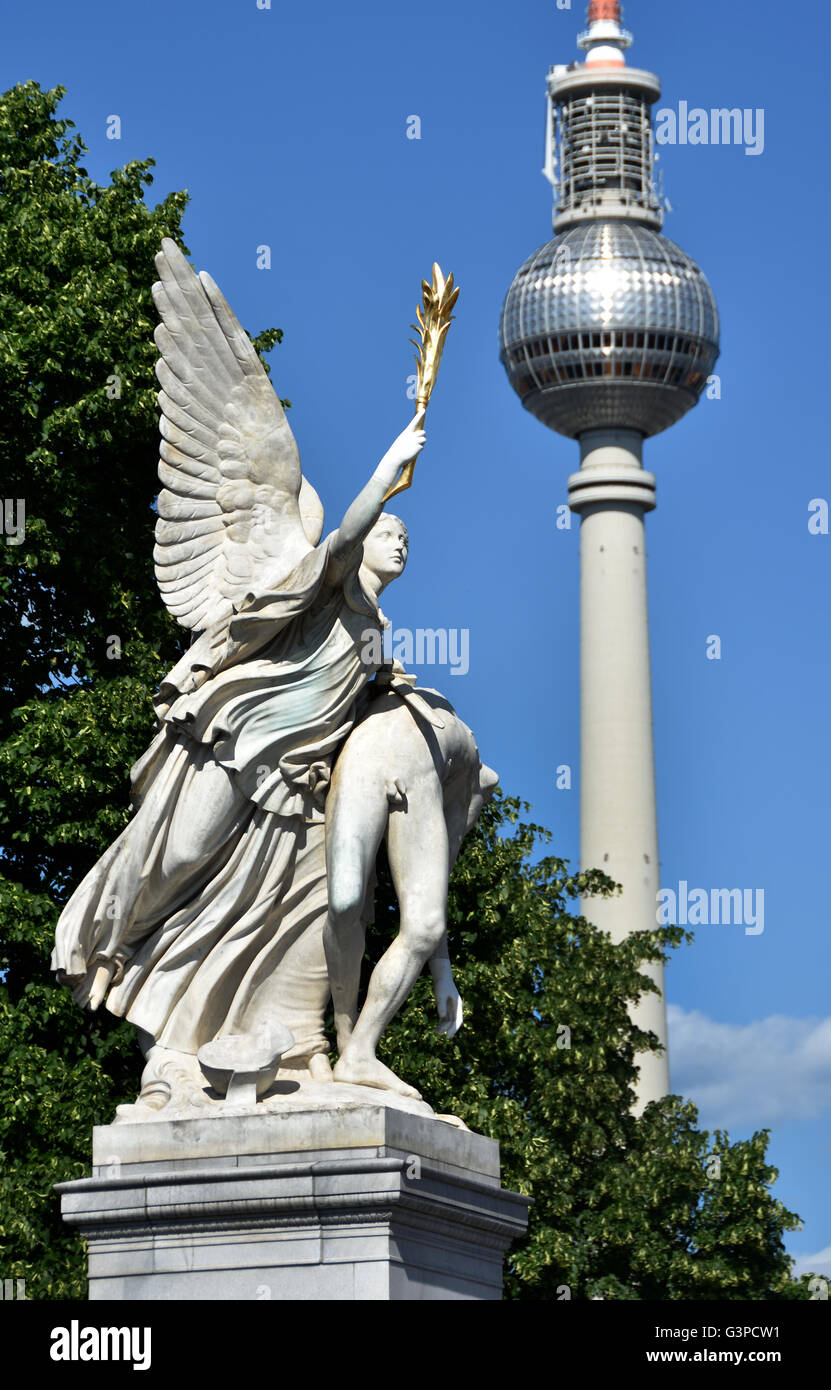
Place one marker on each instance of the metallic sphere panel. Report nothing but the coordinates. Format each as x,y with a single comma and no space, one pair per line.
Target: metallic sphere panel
609,324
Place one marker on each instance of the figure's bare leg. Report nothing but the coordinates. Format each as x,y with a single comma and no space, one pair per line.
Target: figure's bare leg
354,826
421,884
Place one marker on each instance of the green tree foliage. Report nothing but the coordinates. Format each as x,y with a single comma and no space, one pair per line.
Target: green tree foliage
624,1207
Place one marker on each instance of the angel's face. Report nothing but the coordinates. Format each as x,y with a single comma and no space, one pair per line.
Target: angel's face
385,548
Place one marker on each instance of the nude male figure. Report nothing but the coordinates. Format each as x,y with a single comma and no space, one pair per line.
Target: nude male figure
423,787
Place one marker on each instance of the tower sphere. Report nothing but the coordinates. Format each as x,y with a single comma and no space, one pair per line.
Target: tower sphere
609,324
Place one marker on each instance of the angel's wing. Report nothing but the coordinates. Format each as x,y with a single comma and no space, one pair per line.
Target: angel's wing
235,513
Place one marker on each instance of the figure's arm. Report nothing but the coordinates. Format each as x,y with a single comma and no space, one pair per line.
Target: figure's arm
440,959
369,504
448,1000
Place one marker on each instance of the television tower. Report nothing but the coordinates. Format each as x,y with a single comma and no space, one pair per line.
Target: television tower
608,335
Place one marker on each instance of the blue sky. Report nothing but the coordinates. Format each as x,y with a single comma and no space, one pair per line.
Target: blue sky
288,126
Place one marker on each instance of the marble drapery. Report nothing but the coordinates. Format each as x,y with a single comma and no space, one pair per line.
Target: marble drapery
211,903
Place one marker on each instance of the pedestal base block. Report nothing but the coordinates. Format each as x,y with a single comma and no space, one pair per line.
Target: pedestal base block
364,1201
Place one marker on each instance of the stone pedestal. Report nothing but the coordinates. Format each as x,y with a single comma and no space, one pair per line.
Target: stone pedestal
296,1201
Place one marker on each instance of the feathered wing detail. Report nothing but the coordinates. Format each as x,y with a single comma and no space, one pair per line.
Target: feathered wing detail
235,513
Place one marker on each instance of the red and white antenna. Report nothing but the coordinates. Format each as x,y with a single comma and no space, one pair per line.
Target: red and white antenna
605,39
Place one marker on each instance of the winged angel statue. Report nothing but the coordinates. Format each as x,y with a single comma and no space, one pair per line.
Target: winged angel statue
204,918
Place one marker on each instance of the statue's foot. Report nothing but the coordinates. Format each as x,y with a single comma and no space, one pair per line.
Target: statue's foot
366,1070
169,1078
319,1067
155,1095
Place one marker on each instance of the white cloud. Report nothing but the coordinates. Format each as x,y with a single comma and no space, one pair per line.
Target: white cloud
813,1264
751,1075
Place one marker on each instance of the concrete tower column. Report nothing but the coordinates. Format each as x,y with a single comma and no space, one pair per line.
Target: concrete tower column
618,818
608,335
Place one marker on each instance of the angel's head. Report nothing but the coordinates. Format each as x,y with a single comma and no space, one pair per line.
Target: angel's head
385,549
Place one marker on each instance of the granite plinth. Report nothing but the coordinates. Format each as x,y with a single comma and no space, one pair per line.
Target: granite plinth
363,1201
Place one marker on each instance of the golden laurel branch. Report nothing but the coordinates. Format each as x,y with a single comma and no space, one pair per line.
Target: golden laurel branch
434,319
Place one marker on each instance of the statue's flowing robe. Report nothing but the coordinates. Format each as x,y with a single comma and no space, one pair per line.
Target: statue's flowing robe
232,939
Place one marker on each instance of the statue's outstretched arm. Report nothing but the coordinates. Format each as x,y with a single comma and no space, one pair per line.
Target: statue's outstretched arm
369,504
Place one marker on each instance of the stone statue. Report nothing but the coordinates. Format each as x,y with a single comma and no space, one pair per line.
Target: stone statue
205,920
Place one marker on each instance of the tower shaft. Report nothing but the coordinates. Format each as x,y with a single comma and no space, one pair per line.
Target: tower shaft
618,813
